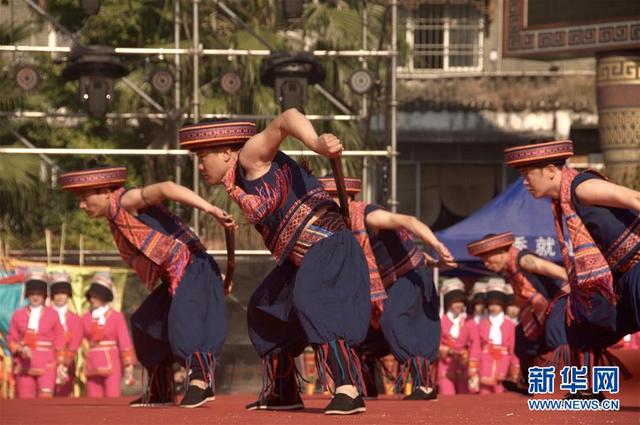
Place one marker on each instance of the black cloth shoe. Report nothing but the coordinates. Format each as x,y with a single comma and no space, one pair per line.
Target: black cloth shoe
516,388
342,404
585,395
274,402
152,401
419,394
372,390
196,397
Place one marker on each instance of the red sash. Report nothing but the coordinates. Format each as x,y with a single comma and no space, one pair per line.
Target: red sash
588,270
359,230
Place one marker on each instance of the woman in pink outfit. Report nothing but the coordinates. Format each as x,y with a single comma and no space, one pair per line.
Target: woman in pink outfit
60,290
497,341
110,346
459,349
36,340
629,342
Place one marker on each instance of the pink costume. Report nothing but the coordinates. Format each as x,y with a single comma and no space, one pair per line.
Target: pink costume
629,342
497,360
36,375
459,355
73,338
110,347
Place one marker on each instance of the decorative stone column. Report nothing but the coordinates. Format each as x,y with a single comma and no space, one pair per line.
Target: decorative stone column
618,92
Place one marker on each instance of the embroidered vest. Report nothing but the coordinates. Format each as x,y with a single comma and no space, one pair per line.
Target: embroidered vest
280,203
588,270
396,253
533,305
153,254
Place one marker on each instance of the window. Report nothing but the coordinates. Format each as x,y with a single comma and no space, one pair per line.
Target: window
445,37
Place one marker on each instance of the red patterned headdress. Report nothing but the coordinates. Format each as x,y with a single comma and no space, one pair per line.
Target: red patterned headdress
94,178
490,243
215,134
538,153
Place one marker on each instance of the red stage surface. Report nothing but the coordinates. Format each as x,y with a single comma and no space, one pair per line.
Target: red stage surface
500,409
493,409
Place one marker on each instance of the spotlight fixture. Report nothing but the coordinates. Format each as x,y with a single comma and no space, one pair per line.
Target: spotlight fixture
90,7
361,81
230,82
289,75
97,68
161,79
292,9
27,77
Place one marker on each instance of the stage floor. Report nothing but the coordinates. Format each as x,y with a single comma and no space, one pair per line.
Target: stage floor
503,409
492,409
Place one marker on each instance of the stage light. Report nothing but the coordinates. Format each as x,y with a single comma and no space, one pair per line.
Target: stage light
161,80
97,68
289,75
230,82
90,7
361,81
292,9
27,77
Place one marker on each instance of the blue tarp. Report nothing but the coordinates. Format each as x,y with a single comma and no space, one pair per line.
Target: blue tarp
11,298
515,210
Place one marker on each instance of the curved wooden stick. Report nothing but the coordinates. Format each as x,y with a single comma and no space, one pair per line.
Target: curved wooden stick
230,240
338,175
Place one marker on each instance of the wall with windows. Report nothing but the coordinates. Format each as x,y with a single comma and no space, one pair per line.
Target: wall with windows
461,103
444,37
464,36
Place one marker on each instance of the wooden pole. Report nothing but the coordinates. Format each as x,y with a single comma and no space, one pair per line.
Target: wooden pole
63,232
81,249
47,240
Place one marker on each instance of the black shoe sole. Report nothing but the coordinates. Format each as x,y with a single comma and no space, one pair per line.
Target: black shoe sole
296,406
193,406
151,405
346,412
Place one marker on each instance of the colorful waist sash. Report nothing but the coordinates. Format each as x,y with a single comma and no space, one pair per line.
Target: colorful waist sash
328,224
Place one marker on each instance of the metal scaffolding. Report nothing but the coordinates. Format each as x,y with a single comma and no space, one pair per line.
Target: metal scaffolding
195,52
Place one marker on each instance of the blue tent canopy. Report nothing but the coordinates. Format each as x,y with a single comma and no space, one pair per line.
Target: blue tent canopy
515,210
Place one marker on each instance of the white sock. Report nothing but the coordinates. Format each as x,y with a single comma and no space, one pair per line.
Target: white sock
425,389
349,390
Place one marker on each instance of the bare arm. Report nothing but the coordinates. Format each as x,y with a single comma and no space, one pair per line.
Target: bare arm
603,193
260,150
385,220
537,265
139,198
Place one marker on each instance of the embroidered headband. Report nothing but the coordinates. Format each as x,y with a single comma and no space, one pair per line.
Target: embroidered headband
216,133
490,243
538,153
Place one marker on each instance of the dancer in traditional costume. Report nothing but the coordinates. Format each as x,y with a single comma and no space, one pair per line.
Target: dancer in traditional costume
602,221
36,340
318,293
183,318
404,303
60,290
538,285
459,359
